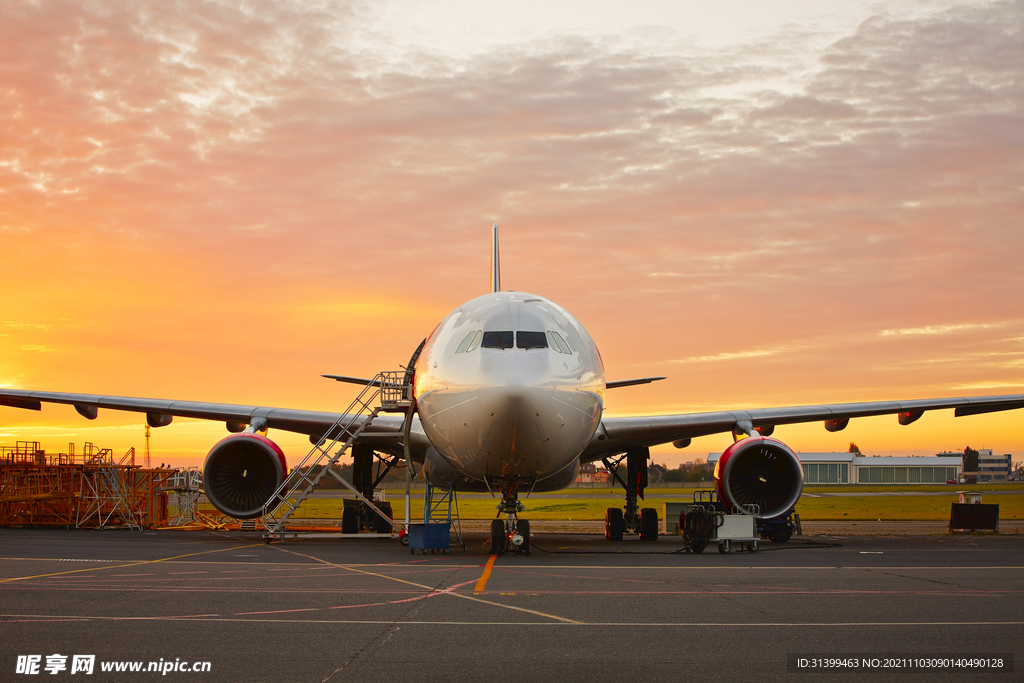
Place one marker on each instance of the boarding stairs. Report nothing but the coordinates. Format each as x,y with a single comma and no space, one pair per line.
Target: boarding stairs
388,392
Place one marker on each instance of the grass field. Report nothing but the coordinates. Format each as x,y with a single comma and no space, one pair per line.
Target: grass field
853,508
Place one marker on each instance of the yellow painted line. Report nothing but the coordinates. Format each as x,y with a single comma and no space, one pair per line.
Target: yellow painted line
482,583
121,566
430,589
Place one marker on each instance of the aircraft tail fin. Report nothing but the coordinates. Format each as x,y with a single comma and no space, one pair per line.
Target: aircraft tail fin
495,265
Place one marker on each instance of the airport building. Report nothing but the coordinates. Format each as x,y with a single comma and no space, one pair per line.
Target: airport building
850,468
993,467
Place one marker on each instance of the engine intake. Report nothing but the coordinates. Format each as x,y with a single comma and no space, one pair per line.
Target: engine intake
242,472
762,471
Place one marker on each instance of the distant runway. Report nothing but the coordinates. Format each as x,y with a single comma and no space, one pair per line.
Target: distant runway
577,609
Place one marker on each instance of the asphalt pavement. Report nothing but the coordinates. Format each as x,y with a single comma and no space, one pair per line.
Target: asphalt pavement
578,608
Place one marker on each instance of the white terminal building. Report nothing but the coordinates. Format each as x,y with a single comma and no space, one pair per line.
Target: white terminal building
850,468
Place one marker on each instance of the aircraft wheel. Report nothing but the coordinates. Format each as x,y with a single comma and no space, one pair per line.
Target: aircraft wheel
613,524
379,525
782,535
648,524
349,520
524,531
497,537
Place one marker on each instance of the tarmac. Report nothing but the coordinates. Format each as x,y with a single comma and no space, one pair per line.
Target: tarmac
578,608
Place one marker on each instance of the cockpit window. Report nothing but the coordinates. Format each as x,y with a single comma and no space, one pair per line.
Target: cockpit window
475,344
497,340
464,344
531,340
558,343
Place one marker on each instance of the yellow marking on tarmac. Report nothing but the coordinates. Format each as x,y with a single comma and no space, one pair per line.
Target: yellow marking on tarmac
482,583
122,566
430,588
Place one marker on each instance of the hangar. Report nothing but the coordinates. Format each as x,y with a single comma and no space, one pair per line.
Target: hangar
850,468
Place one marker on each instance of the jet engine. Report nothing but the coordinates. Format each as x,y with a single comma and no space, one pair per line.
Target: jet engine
762,471
242,472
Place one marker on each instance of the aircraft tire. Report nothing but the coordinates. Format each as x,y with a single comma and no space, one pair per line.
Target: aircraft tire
349,520
524,531
648,524
380,526
613,524
497,537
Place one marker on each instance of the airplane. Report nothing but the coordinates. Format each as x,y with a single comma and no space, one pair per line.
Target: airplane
509,394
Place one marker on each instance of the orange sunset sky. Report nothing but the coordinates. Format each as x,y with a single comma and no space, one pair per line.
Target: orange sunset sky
819,202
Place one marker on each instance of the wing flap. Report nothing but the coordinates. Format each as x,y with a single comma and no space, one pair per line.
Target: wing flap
19,402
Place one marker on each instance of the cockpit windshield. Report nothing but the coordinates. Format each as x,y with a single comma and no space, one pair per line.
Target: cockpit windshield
531,340
497,340
504,340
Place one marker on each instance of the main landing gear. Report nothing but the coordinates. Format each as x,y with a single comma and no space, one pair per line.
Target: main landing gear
356,516
510,534
631,518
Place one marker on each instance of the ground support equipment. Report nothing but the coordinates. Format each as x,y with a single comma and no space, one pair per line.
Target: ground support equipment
440,520
736,530
780,529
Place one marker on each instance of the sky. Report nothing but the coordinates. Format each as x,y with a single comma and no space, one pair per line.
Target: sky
770,203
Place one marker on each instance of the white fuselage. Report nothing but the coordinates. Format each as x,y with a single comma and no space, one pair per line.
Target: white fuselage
510,389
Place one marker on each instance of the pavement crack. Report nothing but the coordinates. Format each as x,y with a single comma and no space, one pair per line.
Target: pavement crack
927,580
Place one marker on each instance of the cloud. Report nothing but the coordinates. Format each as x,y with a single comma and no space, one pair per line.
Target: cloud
738,355
36,348
988,386
939,329
182,181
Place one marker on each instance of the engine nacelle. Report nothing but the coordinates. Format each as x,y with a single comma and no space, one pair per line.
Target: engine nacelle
242,472
762,471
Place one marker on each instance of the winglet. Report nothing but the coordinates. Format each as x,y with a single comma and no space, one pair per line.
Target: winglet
495,266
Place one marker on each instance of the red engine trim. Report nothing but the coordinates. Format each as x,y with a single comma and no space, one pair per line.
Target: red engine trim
259,437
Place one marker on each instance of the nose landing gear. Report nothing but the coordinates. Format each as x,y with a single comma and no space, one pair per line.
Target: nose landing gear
511,534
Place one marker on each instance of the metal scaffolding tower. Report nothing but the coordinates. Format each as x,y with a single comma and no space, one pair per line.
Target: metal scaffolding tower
187,487
90,488
108,495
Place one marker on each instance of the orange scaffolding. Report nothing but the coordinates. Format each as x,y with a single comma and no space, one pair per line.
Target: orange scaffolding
83,489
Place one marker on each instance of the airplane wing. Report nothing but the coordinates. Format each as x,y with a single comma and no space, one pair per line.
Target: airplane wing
159,411
615,434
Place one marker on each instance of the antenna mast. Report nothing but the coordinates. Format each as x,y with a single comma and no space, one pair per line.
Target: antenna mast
495,265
